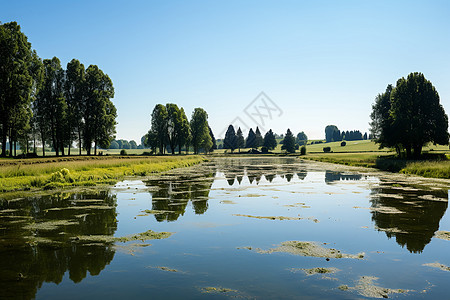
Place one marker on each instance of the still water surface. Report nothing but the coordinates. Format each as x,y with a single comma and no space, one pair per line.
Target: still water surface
250,228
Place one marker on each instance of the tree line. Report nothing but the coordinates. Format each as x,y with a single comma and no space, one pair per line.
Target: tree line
235,140
333,134
171,130
40,101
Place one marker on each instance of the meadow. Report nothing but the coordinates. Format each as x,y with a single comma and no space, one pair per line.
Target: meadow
54,172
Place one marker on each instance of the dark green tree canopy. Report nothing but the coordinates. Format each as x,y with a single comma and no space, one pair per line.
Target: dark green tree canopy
240,142
289,142
269,140
230,140
251,139
258,138
332,133
409,116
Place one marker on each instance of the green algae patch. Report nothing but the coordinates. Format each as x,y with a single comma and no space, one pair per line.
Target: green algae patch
165,269
144,236
50,225
310,249
319,270
438,265
367,288
281,218
443,235
217,290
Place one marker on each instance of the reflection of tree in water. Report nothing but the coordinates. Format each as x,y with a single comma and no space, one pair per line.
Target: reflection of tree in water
331,176
255,168
175,191
412,221
32,254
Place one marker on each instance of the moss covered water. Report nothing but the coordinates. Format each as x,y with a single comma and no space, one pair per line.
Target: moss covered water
256,228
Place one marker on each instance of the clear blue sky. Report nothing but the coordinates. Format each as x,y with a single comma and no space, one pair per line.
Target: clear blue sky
320,62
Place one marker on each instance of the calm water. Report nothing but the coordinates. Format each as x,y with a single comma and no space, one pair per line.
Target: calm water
230,219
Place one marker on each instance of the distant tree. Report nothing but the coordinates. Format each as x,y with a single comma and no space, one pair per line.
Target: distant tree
230,140
250,142
302,139
240,142
332,133
409,116
114,145
133,144
213,139
125,144
258,138
269,140
289,142
200,130
159,126
365,136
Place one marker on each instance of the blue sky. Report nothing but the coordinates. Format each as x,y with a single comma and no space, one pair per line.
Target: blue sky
320,62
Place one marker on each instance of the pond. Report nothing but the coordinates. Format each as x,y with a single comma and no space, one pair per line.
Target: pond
250,228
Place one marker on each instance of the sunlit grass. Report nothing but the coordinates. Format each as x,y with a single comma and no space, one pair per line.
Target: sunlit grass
51,172
435,169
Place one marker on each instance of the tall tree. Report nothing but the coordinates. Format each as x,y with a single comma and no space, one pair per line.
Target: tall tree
289,142
51,106
269,140
174,124
302,139
100,113
332,133
408,116
199,129
417,114
16,80
159,126
75,92
258,138
240,142
250,142
184,136
213,140
230,141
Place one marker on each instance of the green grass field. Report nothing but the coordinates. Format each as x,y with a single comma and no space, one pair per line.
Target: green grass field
53,172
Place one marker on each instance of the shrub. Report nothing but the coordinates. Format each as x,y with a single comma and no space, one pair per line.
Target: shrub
326,149
123,152
303,150
264,149
343,144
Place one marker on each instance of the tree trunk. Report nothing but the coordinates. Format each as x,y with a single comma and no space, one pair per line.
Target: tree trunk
79,141
4,142
408,151
95,148
417,151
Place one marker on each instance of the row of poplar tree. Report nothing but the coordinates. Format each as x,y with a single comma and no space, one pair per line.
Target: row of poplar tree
40,101
235,140
170,128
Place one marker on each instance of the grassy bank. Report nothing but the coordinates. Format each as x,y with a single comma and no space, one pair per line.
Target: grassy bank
433,168
49,173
